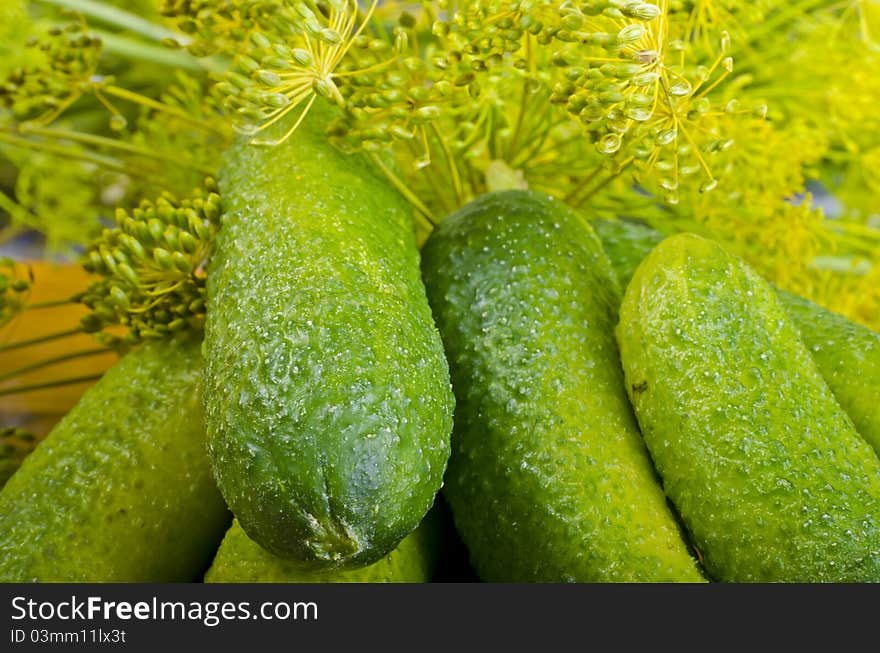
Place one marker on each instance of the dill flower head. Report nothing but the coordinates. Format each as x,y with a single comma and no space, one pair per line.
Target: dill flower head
153,267
42,92
710,115
627,72
286,54
446,88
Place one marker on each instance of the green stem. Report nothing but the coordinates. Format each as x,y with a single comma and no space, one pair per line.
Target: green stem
52,304
105,162
13,208
109,143
66,152
536,143
131,96
614,175
583,184
450,162
116,17
514,141
422,211
36,341
51,384
53,361
117,44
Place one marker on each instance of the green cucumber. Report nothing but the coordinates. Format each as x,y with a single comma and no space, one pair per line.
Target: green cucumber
549,479
766,469
241,560
121,489
328,399
847,354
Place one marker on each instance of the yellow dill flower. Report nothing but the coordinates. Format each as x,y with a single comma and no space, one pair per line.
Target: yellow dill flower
620,106
628,72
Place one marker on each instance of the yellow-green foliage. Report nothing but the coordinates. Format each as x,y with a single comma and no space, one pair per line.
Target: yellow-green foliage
725,117
15,26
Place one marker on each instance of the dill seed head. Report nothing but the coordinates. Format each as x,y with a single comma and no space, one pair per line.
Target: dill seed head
40,92
294,55
152,266
704,115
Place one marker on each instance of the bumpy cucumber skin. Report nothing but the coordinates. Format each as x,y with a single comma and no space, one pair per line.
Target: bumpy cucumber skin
766,469
121,489
241,560
847,354
549,479
328,398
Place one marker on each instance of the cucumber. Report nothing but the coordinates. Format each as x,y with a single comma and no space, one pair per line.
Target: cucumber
767,471
121,489
549,479
241,560
847,354
328,399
